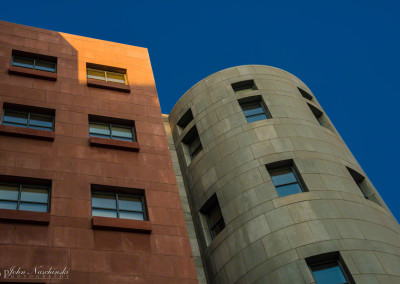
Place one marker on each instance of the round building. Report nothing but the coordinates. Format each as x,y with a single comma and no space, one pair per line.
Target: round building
276,195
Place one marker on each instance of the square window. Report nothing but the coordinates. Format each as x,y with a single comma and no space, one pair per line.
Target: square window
23,196
192,143
286,178
329,268
186,118
34,61
213,215
28,117
106,73
112,128
119,205
244,86
305,94
254,109
363,185
319,116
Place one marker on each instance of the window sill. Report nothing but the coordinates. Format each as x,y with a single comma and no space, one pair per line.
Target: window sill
27,132
32,73
108,85
121,224
25,216
113,143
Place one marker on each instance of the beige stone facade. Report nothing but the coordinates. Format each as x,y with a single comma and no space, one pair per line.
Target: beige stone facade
267,238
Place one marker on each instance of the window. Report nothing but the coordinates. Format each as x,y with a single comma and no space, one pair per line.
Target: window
329,269
193,143
254,109
20,116
106,73
286,178
362,185
112,128
185,119
244,86
34,61
319,115
21,196
305,94
212,213
118,205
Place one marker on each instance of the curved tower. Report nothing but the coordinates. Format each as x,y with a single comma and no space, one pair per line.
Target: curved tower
276,195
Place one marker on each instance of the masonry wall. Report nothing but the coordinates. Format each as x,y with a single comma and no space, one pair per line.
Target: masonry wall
72,165
267,238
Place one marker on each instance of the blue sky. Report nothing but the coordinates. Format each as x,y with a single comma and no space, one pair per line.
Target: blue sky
347,52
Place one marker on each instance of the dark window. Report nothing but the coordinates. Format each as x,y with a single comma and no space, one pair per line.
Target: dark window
185,119
329,269
21,196
247,85
214,217
193,143
106,73
254,109
118,205
362,185
21,117
112,128
34,61
319,115
286,178
305,94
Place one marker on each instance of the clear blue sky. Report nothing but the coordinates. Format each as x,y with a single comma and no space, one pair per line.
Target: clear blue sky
347,52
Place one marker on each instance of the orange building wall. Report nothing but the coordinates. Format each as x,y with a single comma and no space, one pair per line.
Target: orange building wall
93,256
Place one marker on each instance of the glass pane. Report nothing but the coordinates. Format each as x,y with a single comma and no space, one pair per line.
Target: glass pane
131,215
9,192
256,118
214,215
283,177
34,194
115,77
288,189
41,121
130,203
96,74
104,201
45,66
15,117
194,145
329,275
23,62
123,132
251,109
33,207
102,129
218,227
104,213
8,205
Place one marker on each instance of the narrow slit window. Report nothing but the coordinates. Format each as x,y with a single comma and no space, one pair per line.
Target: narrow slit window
362,185
319,116
305,94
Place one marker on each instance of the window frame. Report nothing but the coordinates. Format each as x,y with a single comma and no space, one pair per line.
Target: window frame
34,62
27,185
205,210
116,194
191,136
27,125
110,125
253,101
240,86
105,75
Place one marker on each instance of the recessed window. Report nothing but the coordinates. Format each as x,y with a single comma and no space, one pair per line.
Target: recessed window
118,205
254,109
112,128
319,116
362,185
106,73
329,269
34,61
192,143
305,94
286,178
244,86
186,118
20,116
213,215
27,197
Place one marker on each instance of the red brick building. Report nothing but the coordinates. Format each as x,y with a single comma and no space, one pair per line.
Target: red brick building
85,169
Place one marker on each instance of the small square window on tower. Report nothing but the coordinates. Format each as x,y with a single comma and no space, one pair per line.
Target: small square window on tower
320,117
186,118
254,109
244,86
212,216
286,178
363,185
192,144
305,94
